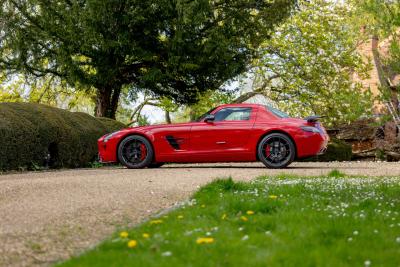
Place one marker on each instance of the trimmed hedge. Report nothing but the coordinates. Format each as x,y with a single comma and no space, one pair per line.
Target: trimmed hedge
35,135
337,150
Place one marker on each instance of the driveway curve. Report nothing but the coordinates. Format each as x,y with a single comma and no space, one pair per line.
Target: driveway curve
49,216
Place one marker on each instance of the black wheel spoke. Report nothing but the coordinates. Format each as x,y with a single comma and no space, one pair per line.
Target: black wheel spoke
132,151
276,150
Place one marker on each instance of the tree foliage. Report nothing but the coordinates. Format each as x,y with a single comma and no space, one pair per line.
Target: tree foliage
307,66
171,48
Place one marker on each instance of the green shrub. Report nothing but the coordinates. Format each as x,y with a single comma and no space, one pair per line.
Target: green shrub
337,150
35,135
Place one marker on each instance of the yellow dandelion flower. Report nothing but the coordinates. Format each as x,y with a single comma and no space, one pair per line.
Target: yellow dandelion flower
244,218
250,212
203,206
156,221
145,235
180,217
205,240
132,244
123,234
273,197
223,216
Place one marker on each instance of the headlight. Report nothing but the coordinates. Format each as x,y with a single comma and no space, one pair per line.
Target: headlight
108,137
310,129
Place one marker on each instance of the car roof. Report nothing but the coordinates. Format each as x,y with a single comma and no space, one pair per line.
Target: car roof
240,105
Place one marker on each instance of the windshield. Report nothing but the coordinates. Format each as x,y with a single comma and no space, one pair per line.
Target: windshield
277,112
204,115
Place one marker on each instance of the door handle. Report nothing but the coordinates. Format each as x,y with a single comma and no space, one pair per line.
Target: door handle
220,142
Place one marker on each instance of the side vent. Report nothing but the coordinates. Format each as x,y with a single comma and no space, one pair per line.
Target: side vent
173,142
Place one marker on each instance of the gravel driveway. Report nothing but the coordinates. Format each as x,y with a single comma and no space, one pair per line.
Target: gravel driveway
49,216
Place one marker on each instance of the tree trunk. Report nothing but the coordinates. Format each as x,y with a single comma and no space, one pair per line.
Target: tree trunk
378,64
167,117
384,78
394,97
107,102
192,114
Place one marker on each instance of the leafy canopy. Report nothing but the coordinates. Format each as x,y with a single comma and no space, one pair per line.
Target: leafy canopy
309,64
174,48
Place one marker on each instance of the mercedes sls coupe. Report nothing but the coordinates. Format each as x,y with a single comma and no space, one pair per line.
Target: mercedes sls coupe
228,133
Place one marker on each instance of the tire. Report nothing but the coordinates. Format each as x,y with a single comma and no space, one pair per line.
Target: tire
155,165
135,152
276,151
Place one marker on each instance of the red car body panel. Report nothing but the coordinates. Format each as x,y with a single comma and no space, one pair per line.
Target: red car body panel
219,141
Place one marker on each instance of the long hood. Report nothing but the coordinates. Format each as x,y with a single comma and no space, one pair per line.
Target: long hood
158,126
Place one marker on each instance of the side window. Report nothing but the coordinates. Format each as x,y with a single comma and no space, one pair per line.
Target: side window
233,114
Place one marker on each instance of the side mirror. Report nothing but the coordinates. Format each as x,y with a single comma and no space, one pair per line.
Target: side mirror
209,118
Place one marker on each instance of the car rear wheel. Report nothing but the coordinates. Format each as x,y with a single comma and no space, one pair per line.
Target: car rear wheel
276,150
135,152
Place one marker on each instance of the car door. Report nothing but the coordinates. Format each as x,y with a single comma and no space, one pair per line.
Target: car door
171,142
224,139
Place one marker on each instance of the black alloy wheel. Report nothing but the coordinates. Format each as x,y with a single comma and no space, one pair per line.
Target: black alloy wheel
135,152
276,150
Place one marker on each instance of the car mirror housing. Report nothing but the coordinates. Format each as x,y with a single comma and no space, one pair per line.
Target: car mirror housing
209,118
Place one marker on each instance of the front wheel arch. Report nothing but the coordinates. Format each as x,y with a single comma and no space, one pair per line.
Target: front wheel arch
276,131
142,164
132,134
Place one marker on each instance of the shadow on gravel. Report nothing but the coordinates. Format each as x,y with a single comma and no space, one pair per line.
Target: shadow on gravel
183,166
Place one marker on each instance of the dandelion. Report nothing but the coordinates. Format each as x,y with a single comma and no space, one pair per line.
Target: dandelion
355,233
398,239
250,212
223,216
156,221
145,235
180,217
273,196
203,206
123,234
244,218
205,240
132,244
244,238
367,263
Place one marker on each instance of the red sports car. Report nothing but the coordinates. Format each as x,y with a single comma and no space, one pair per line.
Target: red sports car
228,133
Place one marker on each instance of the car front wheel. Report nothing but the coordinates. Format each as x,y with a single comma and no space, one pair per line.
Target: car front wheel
135,152
276,150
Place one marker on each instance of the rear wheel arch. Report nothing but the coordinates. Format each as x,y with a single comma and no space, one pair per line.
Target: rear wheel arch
276,131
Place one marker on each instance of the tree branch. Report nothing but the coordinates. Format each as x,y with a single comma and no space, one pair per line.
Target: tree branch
255,92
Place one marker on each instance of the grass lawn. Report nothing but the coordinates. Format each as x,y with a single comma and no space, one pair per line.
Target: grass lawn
272,221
